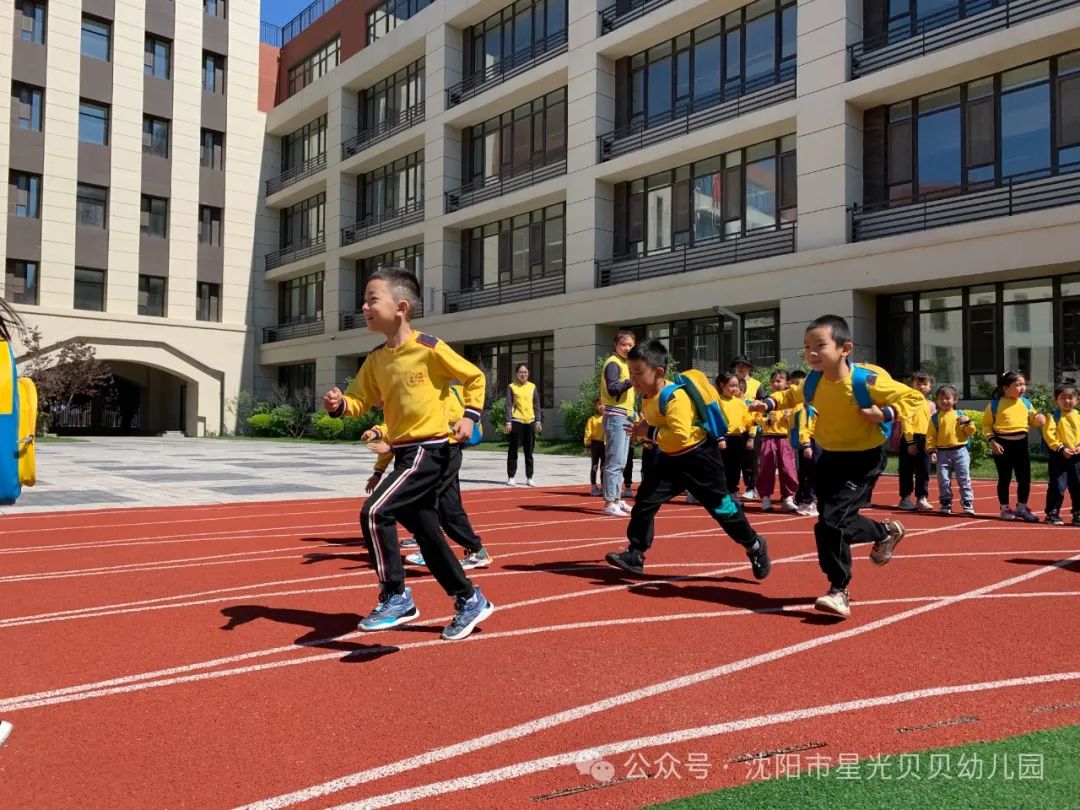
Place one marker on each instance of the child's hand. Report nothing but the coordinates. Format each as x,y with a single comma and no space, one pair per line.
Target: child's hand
372,483
933,458
332,400
749,444
507,426
463,428
1069,453
1040,420
370,436
722,444
758,406
996,448
873,414
913,450
378,447
808,452
538,426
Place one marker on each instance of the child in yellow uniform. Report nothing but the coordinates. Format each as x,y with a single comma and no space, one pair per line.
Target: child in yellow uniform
914,458
947,438
594,440
775,454
1005,425
807,452
1061,432
852,456
409,374
733,446
688,461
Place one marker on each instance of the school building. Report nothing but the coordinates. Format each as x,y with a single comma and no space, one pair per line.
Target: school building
714,173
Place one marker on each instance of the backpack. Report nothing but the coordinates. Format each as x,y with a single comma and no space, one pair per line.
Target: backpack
860,387
934,422
703,396
793,434
18,422
477,435
1056,413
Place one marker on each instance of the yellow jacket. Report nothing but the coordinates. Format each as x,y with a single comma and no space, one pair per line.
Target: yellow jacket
594,430
453,407
673,432
1013,416
1062,433
615,389
949,433
778,423
736,414
522,402
918,422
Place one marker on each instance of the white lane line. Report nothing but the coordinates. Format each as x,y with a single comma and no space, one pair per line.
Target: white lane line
521,769
616,701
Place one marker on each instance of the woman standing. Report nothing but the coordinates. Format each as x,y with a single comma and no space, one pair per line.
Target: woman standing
617,397
522,424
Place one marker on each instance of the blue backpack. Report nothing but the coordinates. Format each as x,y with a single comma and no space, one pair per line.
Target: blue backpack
793,434
1056,413
860,387
704,397
477,435
934,421
996,401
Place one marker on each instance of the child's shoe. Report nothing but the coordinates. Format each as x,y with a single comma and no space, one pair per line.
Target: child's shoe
613,510
5,730
1025,514
924,505
415,559
1076,519
393,609
836,602
882,551
907,504
788,504
969,510
750,495
1007,513
630,560
807,509
470,612
760,563
510,482
946,509
625,507
478,559
766,504
409,542
529,482
1054,519
596,491
690,498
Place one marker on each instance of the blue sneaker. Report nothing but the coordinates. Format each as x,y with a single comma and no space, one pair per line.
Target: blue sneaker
470,612
478,559
409,542
416,559
392,610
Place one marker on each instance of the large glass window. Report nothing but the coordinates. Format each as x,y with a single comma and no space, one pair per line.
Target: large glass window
152,296
522,139
707,344
941,342
155,216
93,123
96,38
304,221
24,194
297,382
300,300
157,58
155,140
21,282
1014,126
30,21
498,361
209,225
91,206
389,14
89,289
207,301
213,72
212,150
761,337
526,246
392,188
314,66
304,144
214,8
744,191
411,258
515,34
1028,325
382,104
27,102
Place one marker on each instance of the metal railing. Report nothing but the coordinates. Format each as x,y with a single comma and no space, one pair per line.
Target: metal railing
513,65
355,320
622,12
381,223
761,92
949,27
270,34
489,188
494,294
1017,195
305,18
757,244
288,331
303,249
380,132
299,172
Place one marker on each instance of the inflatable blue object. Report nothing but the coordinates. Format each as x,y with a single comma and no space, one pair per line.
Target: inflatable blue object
10,488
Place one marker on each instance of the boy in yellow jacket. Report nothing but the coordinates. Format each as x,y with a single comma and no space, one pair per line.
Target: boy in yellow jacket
1061,432
947,438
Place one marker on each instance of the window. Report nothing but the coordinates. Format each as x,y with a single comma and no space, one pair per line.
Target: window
515,34
30,22
298,382
152,296
89,289
498,361
747,50
527,137
155,136
207,302
214,8
761,337
993,131
91,204
304,144
527,246
303,222
28,103
209,225
382,104
24,194
392,189
157,58
389,14
21,282
212,153
155,216
744,191
411,258
300,300
213,73
93,123
313,66
96,38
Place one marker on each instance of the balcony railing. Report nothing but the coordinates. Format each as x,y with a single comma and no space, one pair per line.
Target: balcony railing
270,34
949,27
501,71
298,172
761,92
380,132
754,245
1017,195
489,188
355,320
494,294
288,331
381,223
305,18
303,249
622,12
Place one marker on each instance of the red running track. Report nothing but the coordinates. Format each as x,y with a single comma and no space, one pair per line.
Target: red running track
207,656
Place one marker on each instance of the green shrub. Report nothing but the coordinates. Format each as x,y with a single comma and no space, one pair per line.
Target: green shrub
764,374
497,416
261,424
353,427
326,427
575,414
979,450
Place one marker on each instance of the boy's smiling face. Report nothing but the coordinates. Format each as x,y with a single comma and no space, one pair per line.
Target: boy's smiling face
821,352
380,309
646,380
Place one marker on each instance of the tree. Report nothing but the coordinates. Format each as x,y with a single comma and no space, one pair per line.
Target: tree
63,376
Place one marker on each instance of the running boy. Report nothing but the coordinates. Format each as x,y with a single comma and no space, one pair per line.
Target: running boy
852,457
688,461
409,374
946,442
1061,432
914,459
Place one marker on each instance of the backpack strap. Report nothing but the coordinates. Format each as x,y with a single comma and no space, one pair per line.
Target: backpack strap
1027,404
809,387
666,393
934,420
860,387
994,402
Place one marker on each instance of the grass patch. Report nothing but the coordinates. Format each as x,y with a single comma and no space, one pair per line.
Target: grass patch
865,786
984,468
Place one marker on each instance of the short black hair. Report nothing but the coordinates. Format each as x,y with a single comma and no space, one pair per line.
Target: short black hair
841,332
947,389
919,375
797,374
723,378
652,353
1005,379
404,285
1066,387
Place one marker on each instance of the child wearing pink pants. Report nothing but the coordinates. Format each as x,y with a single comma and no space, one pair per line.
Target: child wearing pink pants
776,454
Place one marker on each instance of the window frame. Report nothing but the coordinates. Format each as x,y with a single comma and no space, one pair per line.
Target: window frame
31,280
214,152
147,297
89,197
529,231
150,123
211,218
150,57
86,283
213,70
28,198
86,107
498,359
147,216
107,36
33,26
208,304
36,106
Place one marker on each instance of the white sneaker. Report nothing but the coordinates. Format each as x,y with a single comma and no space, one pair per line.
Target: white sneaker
924,505
5,730
624,506
530,482
510,482
788,504
750,495
614,510
808,510
766,504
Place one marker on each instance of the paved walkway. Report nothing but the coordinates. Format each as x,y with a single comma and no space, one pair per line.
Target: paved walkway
118,472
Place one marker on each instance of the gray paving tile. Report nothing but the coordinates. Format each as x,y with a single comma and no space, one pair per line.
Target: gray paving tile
169,477
284,489
59,497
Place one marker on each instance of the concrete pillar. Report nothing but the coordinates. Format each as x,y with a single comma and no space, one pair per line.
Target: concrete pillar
856,306
576,351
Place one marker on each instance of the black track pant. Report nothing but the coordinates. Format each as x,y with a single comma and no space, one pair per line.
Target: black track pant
806,493
1015,460
1064,473
452,515
914,469
524,436
734,456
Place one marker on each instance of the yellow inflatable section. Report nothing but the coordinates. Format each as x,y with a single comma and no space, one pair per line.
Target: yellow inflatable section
28,413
